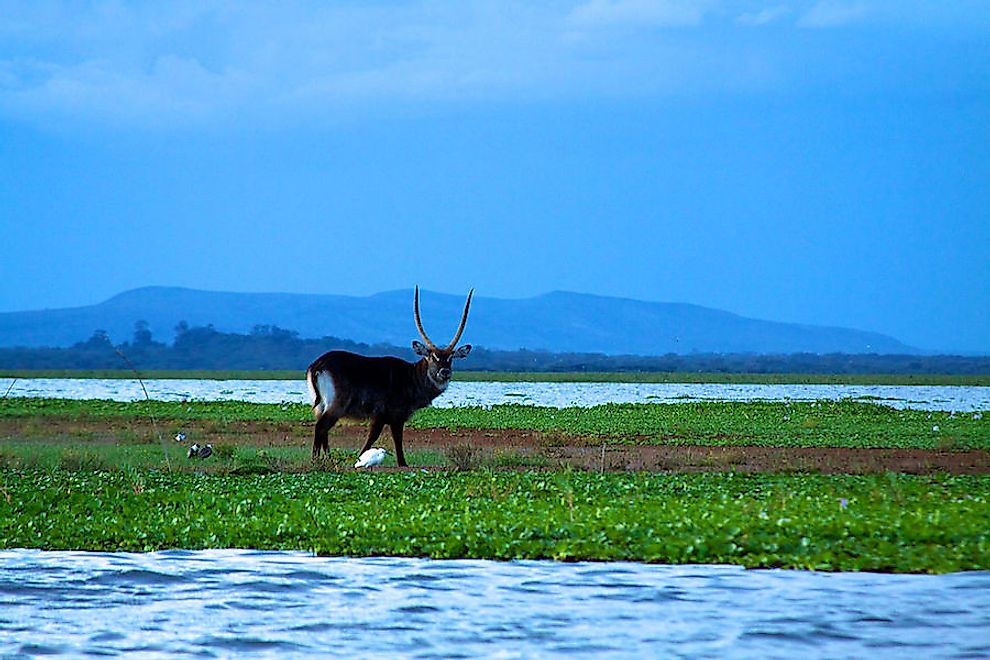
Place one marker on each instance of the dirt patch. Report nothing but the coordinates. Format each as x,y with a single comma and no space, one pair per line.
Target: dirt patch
513,448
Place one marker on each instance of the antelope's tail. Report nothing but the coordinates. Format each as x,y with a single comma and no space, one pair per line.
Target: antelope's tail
314,394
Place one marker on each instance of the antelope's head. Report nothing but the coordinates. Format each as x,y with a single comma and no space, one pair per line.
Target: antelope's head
438,360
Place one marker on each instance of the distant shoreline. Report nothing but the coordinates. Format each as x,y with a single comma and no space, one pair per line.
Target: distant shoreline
539,377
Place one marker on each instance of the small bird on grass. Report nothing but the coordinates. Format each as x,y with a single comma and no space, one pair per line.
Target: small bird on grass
195,451
371,458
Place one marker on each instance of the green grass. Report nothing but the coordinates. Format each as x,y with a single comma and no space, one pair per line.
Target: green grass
890,523
722,378
539,377
171,374
763,423
220,411
87,493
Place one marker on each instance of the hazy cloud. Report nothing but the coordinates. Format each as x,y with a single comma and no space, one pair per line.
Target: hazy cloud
763,16
164,62
197,60
210,60
830,13
638,13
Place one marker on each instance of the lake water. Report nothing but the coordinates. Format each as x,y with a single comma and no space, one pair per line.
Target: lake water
954,398
282,604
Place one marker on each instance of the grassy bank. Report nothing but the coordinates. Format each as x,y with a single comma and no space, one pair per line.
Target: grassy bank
540,377
145,455
762,423
877,523
112,488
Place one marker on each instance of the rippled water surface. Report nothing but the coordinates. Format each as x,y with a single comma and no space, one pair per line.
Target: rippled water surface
957,398
277,604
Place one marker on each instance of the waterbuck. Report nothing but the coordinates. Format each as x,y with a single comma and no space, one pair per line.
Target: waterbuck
386,390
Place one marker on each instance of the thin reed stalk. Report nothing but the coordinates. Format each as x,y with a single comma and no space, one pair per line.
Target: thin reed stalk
154,422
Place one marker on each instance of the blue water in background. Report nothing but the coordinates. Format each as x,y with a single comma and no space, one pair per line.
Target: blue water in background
252,603
923,397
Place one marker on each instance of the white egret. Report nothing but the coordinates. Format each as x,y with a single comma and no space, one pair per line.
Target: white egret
371,458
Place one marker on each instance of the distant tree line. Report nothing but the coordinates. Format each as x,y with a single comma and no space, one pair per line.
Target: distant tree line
270,347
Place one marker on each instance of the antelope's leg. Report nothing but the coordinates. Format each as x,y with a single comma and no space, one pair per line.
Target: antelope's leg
320,439
376,430
400,458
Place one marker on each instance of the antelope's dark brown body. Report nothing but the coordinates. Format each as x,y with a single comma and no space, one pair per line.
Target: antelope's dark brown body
368,387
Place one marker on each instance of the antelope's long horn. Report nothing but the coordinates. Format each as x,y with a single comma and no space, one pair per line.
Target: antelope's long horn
460,328
419,322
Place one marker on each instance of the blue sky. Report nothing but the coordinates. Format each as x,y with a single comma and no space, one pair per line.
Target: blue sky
822,162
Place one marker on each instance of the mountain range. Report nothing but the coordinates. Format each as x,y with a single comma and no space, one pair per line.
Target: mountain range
558,321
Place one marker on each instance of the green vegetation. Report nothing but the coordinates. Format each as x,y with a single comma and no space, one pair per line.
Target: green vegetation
764,423
720,378
222,411
539,377
127,374
137,493
152,456
877,523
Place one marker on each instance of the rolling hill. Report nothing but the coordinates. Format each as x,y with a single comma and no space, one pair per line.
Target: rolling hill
558,321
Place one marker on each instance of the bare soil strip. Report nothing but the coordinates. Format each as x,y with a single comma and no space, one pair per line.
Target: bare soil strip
552,450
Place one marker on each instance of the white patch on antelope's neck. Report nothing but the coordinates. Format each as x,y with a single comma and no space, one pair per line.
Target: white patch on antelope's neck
439,384
323,385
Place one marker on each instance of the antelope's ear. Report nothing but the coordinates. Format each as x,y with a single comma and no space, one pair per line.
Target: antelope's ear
461,352
420,348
